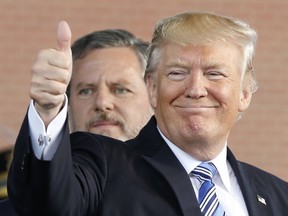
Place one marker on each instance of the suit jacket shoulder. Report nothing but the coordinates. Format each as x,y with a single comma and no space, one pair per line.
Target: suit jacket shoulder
263,192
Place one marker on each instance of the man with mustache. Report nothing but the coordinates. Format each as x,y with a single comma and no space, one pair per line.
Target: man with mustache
107,93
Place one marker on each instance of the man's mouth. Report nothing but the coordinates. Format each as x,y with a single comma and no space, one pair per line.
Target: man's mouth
103,124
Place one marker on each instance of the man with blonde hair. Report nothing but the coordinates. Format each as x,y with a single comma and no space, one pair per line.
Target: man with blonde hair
200,79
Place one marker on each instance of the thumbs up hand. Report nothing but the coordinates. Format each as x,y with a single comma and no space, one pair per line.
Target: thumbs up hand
51,74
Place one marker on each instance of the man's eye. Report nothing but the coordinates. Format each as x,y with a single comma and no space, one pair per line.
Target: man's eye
121,90
85,92
214,75
177,75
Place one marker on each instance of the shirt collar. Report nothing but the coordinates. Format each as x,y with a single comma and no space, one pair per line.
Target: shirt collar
189,163
221,164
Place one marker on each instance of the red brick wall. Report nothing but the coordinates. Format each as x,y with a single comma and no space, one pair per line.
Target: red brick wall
259,138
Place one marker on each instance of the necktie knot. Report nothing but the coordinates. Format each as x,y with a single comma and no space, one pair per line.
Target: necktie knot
205,171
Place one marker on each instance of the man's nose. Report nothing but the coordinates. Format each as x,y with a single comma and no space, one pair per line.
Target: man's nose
103,100
196,85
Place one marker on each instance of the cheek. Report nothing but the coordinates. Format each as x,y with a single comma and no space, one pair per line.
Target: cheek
165,92
74,105
79,108
127,108
225,93
232,100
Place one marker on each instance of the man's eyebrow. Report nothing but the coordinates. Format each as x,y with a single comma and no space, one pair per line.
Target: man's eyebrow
184,64
82,84
210,65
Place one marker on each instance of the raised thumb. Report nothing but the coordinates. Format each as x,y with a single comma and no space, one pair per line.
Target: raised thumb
64,37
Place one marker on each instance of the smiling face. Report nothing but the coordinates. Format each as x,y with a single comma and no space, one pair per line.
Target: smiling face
108,95
197,95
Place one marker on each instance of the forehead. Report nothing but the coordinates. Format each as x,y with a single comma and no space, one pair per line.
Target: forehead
109,55
113,64
216,53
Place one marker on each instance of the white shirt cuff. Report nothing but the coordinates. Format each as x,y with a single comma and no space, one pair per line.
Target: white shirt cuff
45,143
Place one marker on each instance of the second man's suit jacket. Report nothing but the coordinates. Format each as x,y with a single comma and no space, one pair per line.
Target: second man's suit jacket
106,177
6,208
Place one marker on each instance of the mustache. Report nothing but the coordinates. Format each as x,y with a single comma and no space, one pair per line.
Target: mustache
103,116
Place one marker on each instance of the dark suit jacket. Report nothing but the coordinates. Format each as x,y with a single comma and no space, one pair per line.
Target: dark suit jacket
6,208
108,177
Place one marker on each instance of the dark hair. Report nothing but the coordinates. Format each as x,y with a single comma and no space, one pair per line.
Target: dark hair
109,38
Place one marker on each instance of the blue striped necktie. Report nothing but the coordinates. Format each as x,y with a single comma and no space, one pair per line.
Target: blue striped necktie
207,199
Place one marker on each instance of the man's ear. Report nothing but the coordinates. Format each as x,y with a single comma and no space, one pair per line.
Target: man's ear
244,99
151,86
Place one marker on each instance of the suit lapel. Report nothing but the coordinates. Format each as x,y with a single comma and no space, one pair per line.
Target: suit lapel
256,200
174,173
158,154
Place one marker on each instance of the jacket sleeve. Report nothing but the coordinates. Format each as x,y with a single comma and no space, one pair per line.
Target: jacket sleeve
61,186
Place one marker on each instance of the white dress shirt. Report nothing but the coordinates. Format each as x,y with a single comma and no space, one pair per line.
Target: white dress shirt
227,187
